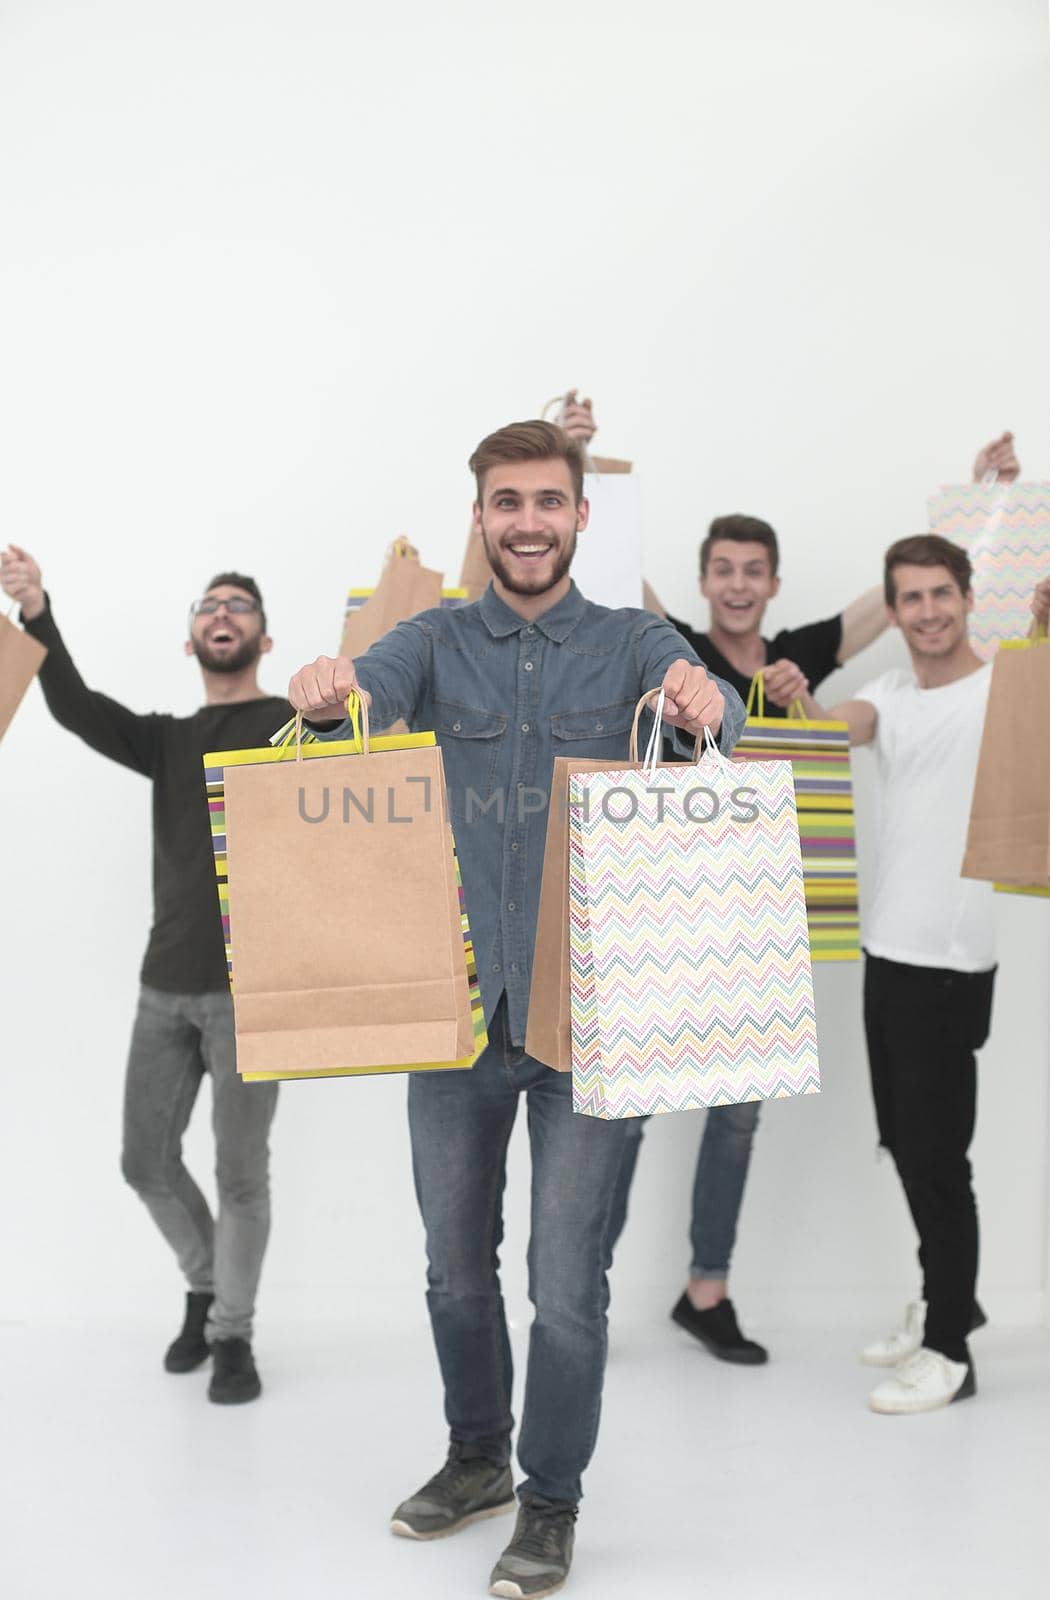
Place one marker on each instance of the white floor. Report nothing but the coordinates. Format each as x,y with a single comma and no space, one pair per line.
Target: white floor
123,1483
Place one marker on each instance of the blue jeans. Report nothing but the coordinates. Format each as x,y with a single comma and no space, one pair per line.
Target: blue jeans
718,1187
460,1123
177,1038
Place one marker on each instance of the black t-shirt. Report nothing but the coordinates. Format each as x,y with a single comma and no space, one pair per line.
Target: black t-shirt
185,954
813,648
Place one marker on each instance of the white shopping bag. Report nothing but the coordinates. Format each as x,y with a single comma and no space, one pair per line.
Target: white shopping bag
608,564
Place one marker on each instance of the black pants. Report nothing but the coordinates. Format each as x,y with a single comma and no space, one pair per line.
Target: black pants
923,1025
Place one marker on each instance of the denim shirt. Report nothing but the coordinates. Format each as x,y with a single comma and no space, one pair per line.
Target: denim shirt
504,696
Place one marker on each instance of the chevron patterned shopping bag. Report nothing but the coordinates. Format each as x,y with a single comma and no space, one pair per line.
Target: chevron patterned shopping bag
690,969
1005,530
820,763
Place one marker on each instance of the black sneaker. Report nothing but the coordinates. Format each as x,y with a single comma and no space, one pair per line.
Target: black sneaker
719,1330
538,1558
190,1348
468,1488
234,1378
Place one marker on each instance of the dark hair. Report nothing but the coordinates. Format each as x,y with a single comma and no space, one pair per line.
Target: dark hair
926,550
528,441
741,530
237,580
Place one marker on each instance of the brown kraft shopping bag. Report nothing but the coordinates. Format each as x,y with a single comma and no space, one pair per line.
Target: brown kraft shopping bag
405,588
344,913
1008,840
21,657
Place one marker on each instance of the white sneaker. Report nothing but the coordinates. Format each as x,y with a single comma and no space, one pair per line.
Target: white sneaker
898,1346
923,1382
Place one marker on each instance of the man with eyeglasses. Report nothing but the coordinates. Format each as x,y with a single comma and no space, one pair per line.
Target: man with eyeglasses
184,1024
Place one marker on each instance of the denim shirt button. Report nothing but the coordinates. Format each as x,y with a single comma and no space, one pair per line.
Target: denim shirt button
512,905
599,727
528,666
496,967
524,727
456,726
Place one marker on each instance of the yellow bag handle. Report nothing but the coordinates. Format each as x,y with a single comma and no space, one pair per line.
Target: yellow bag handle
357,711
756,701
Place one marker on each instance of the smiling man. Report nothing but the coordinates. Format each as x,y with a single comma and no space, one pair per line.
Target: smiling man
529,672
930,957
184,1024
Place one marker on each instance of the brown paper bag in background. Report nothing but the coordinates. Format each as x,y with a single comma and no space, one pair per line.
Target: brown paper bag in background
21,657
1008,840
404,589
346,933
475,572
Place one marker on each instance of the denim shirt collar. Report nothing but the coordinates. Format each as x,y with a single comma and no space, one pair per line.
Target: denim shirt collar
557,623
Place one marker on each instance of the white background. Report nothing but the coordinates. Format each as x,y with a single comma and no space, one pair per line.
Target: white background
269,272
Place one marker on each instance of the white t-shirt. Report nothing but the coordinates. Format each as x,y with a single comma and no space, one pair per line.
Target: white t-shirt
927,742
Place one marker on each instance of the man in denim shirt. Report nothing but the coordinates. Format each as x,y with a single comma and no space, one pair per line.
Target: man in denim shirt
531,671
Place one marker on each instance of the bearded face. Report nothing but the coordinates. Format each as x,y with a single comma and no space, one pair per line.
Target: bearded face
528,519
225,640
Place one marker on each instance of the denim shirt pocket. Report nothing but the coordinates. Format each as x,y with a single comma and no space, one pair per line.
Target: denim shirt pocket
471,740
592,734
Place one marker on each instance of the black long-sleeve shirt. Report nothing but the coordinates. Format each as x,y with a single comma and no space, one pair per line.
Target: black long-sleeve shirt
185,953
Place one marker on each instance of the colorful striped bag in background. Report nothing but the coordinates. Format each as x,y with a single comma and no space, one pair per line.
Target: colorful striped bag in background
1005,530
350,937
820,764
689,953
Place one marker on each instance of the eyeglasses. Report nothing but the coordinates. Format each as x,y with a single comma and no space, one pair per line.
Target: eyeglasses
237,605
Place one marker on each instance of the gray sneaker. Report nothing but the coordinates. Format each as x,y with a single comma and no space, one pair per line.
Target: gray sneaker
538,1558
468,1487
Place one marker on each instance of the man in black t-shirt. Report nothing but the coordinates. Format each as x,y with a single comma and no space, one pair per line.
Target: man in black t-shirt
184,1024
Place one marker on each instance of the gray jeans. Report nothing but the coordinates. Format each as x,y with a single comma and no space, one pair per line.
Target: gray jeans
177,1038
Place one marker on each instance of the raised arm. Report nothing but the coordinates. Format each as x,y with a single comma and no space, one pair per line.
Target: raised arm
104,724
1000,457
863,620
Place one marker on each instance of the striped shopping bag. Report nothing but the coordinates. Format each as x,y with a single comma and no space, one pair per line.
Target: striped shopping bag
820,764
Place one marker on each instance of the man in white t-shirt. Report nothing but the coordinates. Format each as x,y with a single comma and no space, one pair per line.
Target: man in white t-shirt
930,957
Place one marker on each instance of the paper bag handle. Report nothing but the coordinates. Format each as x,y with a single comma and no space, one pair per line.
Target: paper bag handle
357,711
756,700
632,749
